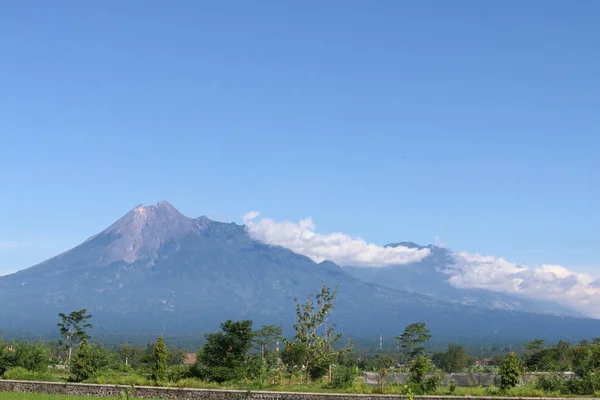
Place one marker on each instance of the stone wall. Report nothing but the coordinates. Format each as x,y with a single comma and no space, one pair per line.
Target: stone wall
460,379
150,392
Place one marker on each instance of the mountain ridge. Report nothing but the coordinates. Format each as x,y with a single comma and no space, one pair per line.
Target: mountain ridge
156,268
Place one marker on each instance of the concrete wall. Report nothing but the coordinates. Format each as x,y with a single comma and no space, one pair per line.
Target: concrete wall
148,392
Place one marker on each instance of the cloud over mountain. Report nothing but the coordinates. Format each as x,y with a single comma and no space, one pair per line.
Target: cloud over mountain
469,271
548,282
342,249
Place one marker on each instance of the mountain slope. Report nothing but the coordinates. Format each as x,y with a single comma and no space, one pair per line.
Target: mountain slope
428,277
156,269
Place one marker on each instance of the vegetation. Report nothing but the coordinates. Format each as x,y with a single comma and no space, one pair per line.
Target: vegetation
82,366
313,359
223,356
159,367
411,341
314,335
72,329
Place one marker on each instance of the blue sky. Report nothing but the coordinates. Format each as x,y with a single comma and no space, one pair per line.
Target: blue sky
473,121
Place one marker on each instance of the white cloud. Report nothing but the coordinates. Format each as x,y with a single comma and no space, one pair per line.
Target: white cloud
337,247
8,245
548,282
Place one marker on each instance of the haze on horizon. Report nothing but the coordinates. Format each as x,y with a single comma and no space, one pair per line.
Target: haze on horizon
470,123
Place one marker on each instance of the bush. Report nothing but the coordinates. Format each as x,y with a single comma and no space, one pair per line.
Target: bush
23,374
178,373
585,385
195,383
117,378
432,383
342,377
551,383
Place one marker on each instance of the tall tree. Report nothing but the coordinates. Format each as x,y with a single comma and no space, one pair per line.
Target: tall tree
510,372
313,332
81,366
223,356
159,366
72,329
412,339
266,336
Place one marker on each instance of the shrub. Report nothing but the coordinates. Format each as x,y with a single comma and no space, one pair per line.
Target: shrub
510,372
117,378
432,383
178,373
195,383
551,383
342,377
23,374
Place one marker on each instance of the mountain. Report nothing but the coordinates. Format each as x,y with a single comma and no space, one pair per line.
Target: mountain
156,270
428,277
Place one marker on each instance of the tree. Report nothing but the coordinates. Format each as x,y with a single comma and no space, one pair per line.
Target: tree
292,356
81,365
419,369
266,336
33,357
72,329
103,358
175,356
412,340
314,334
509,372
385,361
222,357
455,359
159,367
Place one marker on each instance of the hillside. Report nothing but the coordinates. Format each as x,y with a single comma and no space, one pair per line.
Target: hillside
158,270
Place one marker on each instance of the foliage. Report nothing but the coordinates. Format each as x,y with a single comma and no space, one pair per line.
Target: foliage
159,367
418,374
342,377
32,357
133,356
72,328
23,374
293,355
81,365
510,372
175,356
412,339
178,372
314,334
266,336
385,361
222,357
119,378
454,359
103,358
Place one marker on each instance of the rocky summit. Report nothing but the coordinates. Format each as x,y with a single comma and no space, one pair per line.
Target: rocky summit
156,269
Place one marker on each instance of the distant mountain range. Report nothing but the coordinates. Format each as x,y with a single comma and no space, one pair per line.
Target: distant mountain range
429,277
156,270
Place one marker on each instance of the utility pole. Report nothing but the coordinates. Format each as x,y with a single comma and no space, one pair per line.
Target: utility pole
380,342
